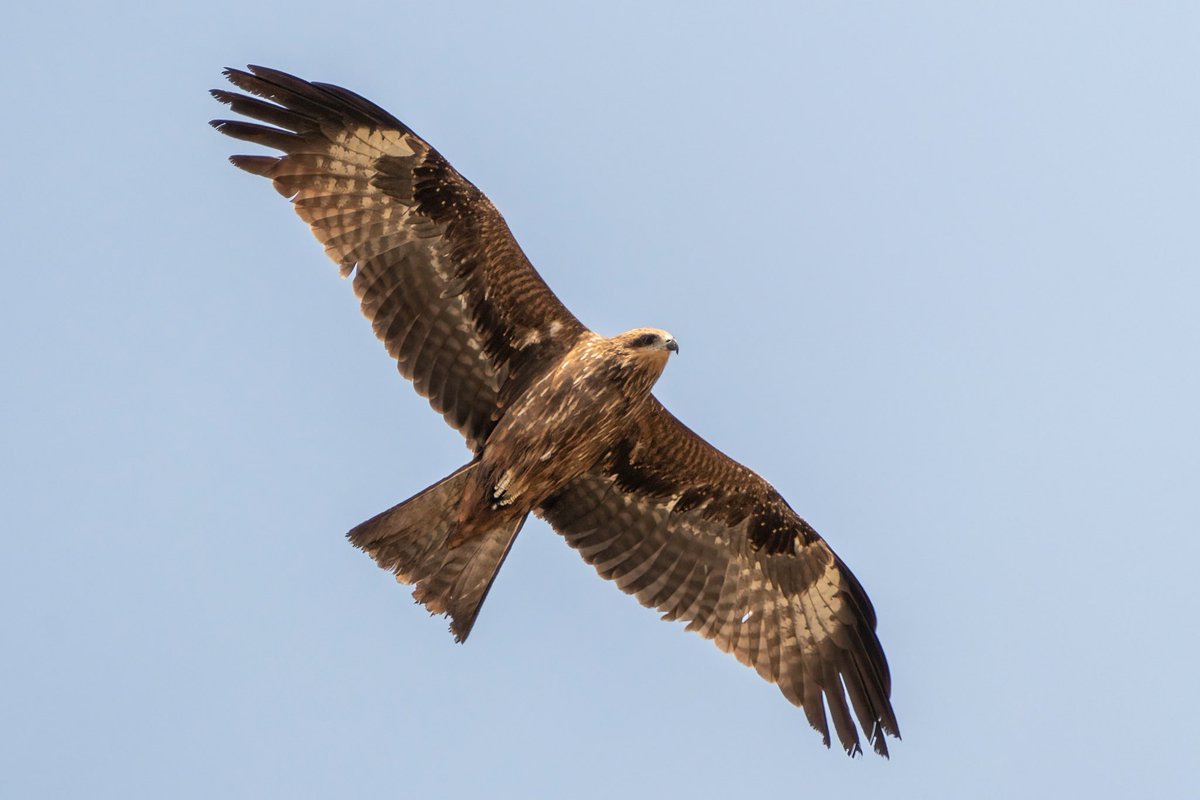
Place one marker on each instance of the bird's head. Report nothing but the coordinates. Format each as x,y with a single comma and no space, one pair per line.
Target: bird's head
648,347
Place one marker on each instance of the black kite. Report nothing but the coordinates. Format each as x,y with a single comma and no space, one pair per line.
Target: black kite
561,420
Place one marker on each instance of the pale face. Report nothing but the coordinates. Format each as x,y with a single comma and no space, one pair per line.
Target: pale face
649,348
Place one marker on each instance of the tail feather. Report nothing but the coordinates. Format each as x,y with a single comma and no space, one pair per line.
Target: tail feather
413,541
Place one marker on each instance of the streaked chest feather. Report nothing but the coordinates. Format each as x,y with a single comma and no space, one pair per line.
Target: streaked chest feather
563,425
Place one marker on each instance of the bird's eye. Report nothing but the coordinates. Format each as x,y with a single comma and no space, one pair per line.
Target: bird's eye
645,340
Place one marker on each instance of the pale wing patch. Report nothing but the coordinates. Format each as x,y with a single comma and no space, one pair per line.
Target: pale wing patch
359,143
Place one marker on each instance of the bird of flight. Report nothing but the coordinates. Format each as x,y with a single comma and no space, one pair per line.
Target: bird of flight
561,420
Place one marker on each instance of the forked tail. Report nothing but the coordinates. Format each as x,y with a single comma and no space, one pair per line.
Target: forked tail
412,540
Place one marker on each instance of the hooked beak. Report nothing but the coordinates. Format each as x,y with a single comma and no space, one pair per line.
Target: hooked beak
672,345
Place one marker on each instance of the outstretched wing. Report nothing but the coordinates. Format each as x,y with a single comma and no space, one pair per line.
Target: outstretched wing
696,535
446,287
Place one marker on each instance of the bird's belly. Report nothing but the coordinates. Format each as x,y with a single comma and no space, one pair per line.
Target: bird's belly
540,449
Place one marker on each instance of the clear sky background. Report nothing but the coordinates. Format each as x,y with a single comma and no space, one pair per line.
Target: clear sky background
935,269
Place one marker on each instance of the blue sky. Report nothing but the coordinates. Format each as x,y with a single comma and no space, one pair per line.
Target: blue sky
934,270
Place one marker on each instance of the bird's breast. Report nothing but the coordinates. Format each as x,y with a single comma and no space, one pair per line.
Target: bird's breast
558,429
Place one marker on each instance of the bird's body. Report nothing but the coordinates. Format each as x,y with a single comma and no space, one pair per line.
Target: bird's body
560,420
562,425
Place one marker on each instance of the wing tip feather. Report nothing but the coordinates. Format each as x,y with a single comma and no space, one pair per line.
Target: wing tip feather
263,166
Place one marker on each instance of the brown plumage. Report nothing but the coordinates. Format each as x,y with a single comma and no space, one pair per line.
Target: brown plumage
561,420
